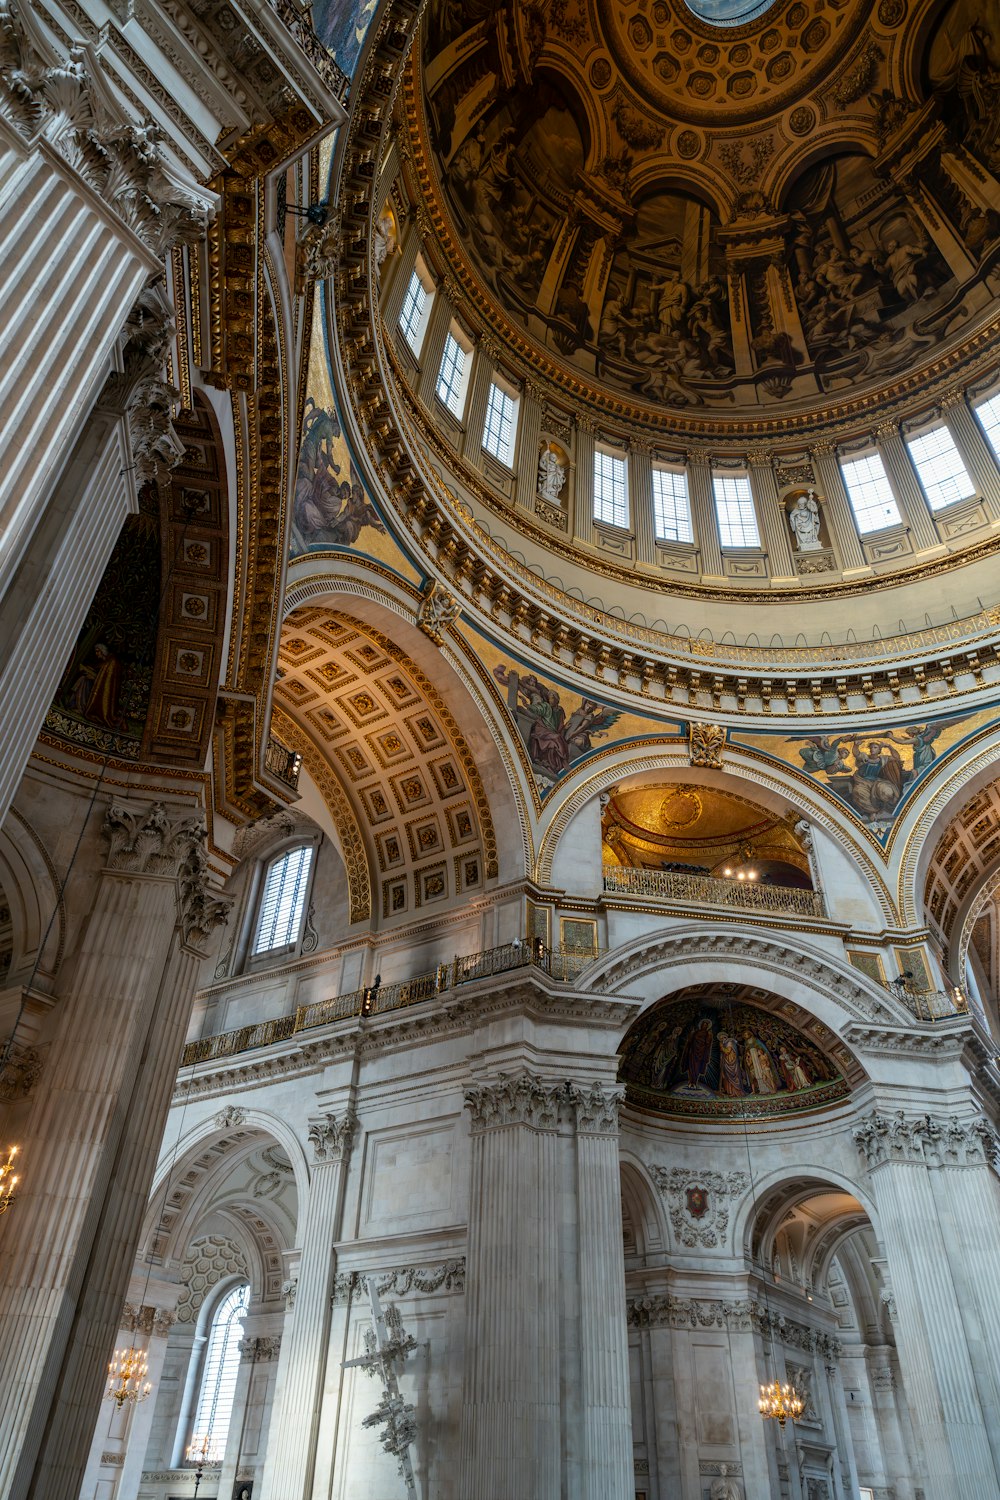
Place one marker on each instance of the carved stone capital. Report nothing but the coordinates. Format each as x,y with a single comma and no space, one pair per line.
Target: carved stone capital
147,841
261,1350
520,1099
289,1290
19,1070
437,610
121,161
332,1136
930,1140
597,1108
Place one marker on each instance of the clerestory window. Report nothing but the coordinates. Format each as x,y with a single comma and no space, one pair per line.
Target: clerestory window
217,1389
282,904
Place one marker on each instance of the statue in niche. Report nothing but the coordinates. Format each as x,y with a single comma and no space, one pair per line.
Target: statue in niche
727,1486
551,474
803,519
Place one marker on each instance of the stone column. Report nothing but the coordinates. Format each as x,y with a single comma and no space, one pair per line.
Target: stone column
583,490
93,1132
706,525
291,1455
771,512
840,516
527,450
607,1414
512,1436
943,1393
475,412
546,1405
258,1353
976,453
906,487
640,488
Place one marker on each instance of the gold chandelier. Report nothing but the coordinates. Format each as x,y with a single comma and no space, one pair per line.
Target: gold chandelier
127,1377
780,1402
7,1182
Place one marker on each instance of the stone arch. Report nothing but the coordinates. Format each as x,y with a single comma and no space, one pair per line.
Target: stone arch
760,1213
837,994
34,891
449,674
739,768
960,773
641,1206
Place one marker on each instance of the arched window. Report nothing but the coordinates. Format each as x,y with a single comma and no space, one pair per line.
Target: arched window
218,1375
282,904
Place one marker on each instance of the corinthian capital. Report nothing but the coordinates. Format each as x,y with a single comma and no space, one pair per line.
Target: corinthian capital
933,1140
518,1099
597,1108
332,1136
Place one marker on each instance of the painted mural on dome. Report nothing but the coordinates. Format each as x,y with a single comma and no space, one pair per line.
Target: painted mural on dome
873,771
342,26
559,728
103,696
714,285
714,1057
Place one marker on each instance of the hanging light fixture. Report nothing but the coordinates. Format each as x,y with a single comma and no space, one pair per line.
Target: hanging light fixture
744,866
202,1451
127,1377
7,1182
782,1403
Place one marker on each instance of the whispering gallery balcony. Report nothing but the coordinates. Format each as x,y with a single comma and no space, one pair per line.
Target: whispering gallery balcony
712,890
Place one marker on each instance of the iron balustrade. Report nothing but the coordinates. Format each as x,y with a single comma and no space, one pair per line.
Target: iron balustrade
562,965
713,890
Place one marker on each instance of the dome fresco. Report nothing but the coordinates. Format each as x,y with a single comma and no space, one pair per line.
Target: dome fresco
693,217
710,1055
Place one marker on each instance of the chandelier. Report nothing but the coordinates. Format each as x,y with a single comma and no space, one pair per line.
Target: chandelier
127,1377
743,867
780,1402
202,1451
7,1182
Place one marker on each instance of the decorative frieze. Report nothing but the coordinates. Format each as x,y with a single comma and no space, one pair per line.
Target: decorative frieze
699,1202
524,1099
261,1350
404,1280
332,1136
930,1140
744,1315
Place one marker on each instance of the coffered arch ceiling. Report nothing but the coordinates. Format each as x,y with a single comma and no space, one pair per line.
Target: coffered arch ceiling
964,862
398,774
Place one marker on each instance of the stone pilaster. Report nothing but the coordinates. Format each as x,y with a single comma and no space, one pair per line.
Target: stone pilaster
91,1140
475,416
976,452
640,486
840,516
902,1154
433,349
532,1427
291,1455
906,487
259,1352
706,525
527,450
583,490
771,512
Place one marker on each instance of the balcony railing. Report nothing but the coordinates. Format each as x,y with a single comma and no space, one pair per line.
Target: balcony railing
562,965
281,762
930,1005
710,890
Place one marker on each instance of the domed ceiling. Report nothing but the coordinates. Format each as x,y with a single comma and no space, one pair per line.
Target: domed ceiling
700,830
708,1053
728,211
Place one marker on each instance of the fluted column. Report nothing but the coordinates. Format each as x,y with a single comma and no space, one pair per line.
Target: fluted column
706,525
475,415
433,349
773,521
640,484
976,453
395,295
291,1455
607,1413
840,516
546,1395
906,487
583,490
944,1395
527,452
511,1438
92,1137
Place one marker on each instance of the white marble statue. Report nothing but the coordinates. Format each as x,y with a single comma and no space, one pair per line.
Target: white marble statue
803,518
726,1487
551,474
